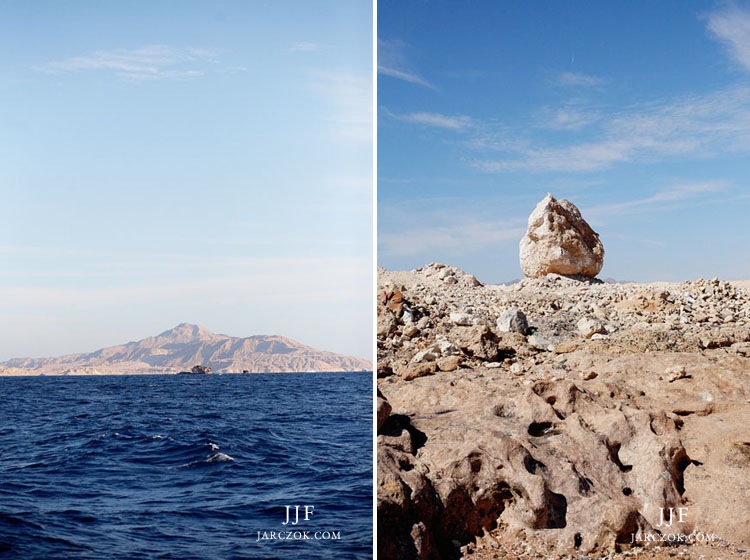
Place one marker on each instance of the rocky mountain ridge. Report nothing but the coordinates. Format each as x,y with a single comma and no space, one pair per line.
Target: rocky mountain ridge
182,347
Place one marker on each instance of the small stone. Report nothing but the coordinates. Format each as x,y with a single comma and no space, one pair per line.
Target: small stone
675,373
407,316
393,299
410,330
687,298
471,281
540,343
446,347
449,363
427,355
588,327
513,320
415,371
741,348
384,410
462,319
589,375
567,347
493,365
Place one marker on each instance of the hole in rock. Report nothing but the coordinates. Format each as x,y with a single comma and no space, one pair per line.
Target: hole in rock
627,491
614,450
584,486
462,519
537,429
577,540
532,465
396,423
682,461
405,465
558,510
552,399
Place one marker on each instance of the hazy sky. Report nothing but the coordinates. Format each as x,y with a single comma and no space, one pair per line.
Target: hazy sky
638,112
165,161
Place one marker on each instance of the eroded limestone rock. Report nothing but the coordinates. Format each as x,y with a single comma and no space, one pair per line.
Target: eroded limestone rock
598,434
556,463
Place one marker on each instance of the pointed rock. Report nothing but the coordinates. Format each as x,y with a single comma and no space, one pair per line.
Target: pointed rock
559,241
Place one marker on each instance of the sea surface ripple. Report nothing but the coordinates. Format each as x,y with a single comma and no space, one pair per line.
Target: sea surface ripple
186,466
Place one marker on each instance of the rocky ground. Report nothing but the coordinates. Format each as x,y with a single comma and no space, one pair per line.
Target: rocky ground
562,418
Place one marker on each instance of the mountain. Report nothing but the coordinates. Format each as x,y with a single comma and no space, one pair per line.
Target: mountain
186,345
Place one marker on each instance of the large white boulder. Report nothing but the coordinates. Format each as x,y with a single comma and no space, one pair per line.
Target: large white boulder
559,241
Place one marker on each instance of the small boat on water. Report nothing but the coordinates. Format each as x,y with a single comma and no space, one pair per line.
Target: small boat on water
197,370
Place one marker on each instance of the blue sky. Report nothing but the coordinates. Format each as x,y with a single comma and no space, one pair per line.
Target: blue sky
202,161
638,112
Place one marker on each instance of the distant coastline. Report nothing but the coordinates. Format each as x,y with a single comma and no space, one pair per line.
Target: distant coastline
16,372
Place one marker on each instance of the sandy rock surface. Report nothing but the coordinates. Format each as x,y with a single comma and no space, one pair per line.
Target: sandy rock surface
573,438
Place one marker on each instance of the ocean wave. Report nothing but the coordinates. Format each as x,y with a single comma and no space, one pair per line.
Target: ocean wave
145,471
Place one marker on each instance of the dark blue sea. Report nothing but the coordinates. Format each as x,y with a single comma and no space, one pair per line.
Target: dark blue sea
186,467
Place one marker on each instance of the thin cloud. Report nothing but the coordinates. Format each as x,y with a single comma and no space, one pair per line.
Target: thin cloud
436,120
635,239
350,95
694,126
659,200
405,76
392,62
578,79
305,46
731,26
152,62
251,279
566,118
586,157
449,239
